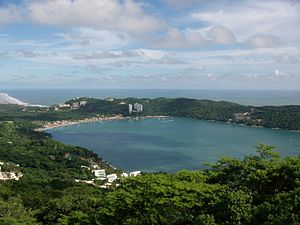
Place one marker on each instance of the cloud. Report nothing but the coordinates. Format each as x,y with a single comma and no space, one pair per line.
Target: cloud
10,14
221,35
167,60
91,38
126,16
106,55
28,54
286,59
245,18
177,39
263,41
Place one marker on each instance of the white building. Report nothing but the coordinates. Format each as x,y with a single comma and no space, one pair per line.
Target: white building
138,107
109,99
124,175
99,173
135,173
111,178
130,108
82,103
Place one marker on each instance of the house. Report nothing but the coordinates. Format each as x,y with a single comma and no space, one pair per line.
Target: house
124,175
122,103
82,103
10,175
99,173
75,106
135,173
63,106
111,178
109,99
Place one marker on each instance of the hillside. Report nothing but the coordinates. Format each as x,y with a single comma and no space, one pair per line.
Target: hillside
285,117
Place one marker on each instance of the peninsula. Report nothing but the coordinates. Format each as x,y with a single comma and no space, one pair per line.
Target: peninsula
89,109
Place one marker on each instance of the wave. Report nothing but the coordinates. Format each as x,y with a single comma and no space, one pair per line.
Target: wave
9,100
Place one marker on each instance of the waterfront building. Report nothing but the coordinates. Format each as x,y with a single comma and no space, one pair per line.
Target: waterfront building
130,108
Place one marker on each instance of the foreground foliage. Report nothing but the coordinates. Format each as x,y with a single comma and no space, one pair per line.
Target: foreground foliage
259,189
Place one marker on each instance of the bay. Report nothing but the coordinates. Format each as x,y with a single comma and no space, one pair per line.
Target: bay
169,145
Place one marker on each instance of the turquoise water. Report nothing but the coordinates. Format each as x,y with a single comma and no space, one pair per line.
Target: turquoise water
172,144
246,97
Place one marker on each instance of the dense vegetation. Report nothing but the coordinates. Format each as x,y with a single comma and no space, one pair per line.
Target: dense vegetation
285,117
259,189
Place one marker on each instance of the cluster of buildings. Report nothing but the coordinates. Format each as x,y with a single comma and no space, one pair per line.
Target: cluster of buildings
108,180
135,108
75,105
13,174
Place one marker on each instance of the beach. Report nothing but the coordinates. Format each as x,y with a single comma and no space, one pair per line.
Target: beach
62,123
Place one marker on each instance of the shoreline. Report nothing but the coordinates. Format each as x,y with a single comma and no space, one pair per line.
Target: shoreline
63,123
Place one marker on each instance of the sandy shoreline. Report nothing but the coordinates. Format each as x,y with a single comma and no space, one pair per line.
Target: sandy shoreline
62,123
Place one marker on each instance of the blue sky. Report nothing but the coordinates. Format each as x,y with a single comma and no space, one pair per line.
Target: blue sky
190,44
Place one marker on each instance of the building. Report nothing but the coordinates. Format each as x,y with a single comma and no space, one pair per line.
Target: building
111,178
109,99
135,173
82,103
124,175
99,173
75,106
138,107
63,106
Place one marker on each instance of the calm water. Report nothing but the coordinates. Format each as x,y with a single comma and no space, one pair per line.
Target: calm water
171,145
247,97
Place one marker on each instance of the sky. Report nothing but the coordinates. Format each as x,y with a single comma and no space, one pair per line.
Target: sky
149,44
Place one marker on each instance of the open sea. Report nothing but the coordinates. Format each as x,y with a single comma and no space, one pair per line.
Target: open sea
246,97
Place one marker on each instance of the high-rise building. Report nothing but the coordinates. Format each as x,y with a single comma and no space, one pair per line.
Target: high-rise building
130,108
138,107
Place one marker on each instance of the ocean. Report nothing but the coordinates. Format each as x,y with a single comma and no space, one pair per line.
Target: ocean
245,97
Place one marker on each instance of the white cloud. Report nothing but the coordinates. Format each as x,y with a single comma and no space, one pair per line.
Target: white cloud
279,18
106,55
10,14
89,37
112,15
175,38
263,41
221,35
